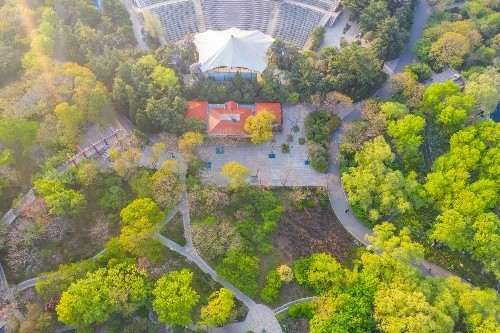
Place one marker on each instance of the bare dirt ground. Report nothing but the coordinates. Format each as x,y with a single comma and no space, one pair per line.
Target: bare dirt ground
315,229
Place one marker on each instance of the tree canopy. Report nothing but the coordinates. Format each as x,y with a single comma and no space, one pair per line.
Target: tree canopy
260,126
174,298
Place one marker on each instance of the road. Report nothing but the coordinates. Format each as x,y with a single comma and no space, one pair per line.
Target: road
136,25
344,211
3,280
422,12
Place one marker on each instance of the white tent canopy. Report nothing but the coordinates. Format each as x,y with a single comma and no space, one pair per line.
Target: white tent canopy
233,48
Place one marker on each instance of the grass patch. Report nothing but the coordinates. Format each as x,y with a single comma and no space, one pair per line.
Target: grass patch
174,230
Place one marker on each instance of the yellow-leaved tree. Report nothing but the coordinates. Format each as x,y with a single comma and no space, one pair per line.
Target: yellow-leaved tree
235,173
260,126
219,307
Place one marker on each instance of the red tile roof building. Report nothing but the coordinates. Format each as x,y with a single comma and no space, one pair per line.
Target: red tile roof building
229,118
197,109
274,108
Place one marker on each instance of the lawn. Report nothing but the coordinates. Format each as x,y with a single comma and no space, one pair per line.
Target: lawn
174,230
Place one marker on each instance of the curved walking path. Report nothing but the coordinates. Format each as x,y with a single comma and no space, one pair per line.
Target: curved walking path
24,285
260,317
336,191
285,306
340,205
136,25
3,280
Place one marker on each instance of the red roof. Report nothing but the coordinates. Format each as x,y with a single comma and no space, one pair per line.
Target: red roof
228,121
197,109
274,108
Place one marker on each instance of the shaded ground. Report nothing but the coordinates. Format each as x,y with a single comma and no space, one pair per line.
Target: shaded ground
294,325
174,230
316,229
44,241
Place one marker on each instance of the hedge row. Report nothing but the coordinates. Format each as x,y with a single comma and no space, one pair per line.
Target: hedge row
319,126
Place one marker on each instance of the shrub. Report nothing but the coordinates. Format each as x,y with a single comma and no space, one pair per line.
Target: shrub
278,128
295,128
317,37
241,270
285,148
289,138
421,70
319,126
293,98
301,310
285,272
322,196
302,141
272,288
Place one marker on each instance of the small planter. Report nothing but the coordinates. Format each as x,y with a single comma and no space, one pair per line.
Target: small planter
285,148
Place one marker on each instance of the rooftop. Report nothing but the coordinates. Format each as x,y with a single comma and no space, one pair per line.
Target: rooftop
229,118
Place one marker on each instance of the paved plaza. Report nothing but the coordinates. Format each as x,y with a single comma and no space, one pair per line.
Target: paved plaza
267,164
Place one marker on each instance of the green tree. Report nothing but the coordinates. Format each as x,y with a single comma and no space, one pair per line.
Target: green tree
165,78
121,287
484,89
407,138
86,301
320,271
400,247
241,270
70,121
87,173
397,310
235,174
218,310
480,308
260,126
452,229
140,219
174,298
448,104
272,287
373,15
18,131
390,39
393,110
348,309
60,200
450,50
353,70
376,189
